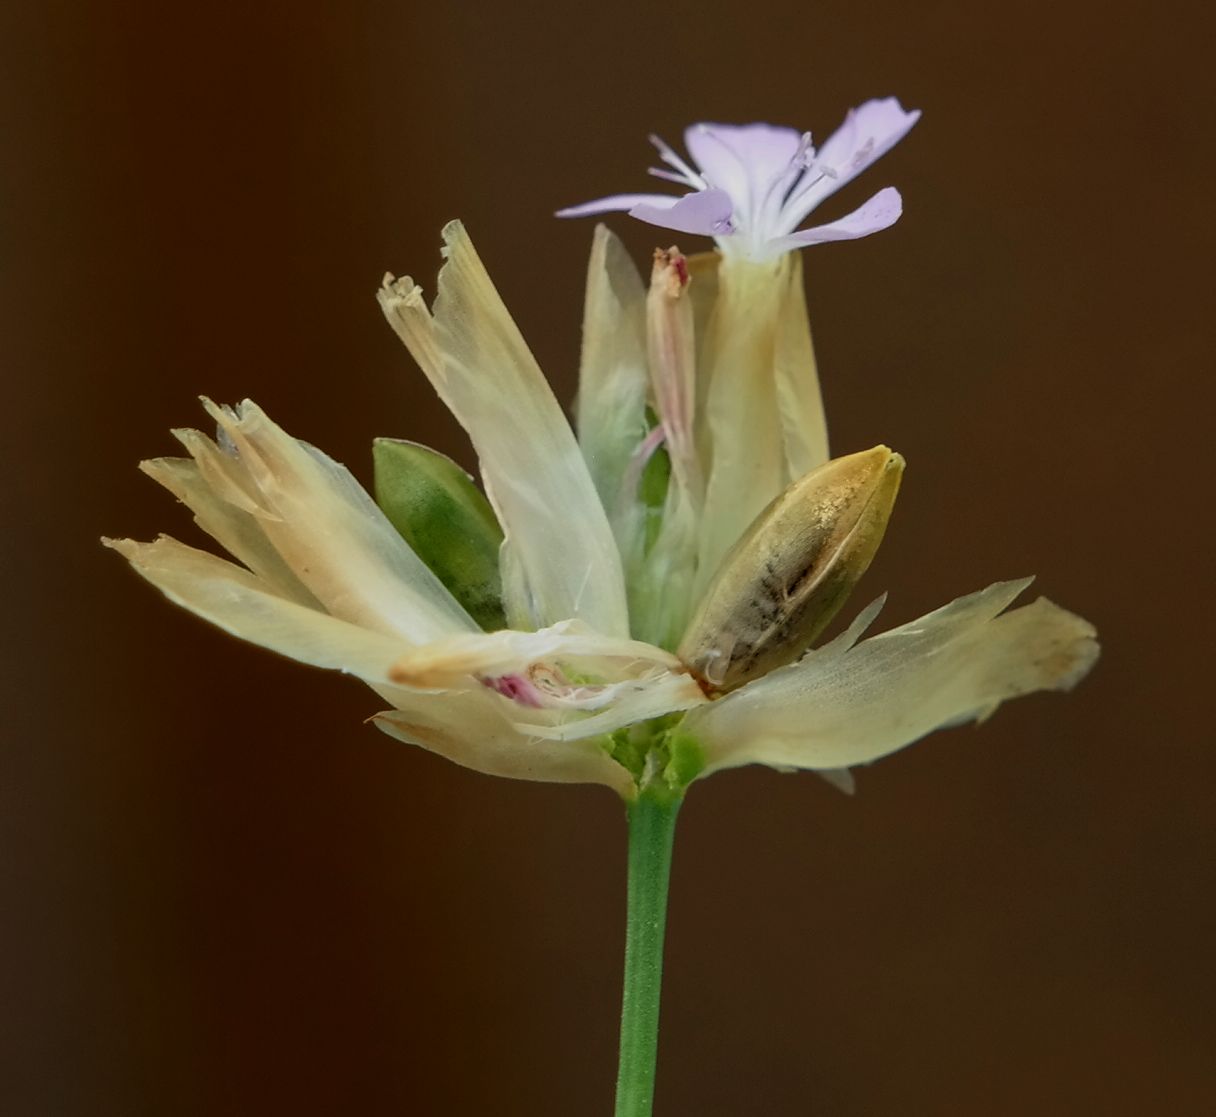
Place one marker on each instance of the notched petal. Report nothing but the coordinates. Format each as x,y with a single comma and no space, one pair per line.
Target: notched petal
704,213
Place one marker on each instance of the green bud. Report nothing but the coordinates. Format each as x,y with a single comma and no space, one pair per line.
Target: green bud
782,583
443,516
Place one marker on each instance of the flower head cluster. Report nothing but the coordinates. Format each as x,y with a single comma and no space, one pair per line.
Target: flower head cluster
636,600
752,185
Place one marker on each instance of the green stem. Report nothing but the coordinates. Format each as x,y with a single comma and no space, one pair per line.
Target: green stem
652,823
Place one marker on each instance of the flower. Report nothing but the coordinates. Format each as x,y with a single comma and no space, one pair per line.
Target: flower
752,185
625,661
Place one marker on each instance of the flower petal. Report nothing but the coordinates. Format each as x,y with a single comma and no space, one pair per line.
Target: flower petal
704,213
872,216
614,202
742,159
771,146
868,133
332,535
559,558
844,705
243,605
484,740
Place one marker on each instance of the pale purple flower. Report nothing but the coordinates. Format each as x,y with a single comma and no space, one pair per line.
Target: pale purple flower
752,185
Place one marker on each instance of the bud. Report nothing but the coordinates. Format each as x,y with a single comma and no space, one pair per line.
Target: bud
443,516
785,579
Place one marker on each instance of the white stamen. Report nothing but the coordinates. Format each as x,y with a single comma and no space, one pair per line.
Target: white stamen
790,209
668,155
783,185
805,154
658,172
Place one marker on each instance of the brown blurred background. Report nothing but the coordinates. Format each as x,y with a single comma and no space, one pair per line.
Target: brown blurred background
223,894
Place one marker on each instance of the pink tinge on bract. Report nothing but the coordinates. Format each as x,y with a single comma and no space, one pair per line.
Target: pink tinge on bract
516,687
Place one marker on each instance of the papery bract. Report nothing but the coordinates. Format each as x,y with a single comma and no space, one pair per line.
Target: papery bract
601,577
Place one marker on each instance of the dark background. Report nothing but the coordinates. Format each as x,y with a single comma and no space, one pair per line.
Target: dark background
223,894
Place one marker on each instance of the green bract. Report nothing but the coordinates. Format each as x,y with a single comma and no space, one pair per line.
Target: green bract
444,517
